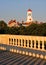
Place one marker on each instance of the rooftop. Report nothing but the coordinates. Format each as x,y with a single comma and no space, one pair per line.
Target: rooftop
29,10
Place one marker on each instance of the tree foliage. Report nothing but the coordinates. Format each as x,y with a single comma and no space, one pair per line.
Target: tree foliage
33,29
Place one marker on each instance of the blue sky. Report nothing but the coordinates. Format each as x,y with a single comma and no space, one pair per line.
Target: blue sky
17,9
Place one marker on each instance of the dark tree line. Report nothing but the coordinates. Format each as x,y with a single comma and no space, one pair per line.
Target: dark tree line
33,29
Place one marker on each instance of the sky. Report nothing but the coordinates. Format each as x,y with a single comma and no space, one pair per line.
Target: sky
17,9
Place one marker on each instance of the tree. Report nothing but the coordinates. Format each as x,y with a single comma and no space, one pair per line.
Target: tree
3,26
31,28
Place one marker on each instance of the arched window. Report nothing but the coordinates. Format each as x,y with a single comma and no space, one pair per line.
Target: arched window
9,40
20,42
26,43
12,41
40,44
36,44
17,41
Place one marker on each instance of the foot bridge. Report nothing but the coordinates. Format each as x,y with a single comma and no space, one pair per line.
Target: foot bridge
29,45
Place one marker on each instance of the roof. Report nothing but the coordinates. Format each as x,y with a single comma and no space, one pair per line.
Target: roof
12,21
29,10
27,23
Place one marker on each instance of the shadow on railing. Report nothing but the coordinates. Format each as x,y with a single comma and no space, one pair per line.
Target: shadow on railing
30,52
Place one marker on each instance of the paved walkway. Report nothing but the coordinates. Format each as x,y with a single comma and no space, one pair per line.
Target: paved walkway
9,58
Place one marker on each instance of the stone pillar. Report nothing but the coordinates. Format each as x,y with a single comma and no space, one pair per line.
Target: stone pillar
39,45
27,43
24,43
21,43
16,42
35,44
31,43
42,45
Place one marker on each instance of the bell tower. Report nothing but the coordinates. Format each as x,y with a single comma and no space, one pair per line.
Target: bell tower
29,15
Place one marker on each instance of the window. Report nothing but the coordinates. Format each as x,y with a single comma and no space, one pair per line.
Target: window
14,41
45,45
17,41
29,14
29,43
36,44
20,42
33,43
26,43
9,40
23,42
40,44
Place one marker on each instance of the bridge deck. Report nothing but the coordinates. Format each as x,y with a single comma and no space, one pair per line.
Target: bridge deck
9,58
23,49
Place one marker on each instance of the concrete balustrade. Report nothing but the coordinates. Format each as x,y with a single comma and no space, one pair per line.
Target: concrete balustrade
25,42
37,55
45,57
30,54
23,52
41,56
26,53
34,55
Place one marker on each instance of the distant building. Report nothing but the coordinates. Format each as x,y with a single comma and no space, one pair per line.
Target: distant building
29,15
13,23
29,18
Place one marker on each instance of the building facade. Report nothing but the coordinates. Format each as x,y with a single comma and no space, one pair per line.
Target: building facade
13,23
29,20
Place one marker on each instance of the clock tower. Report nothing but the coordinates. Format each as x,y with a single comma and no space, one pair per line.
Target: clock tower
29,15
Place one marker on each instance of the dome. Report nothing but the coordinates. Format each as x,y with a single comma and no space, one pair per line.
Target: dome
29,10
